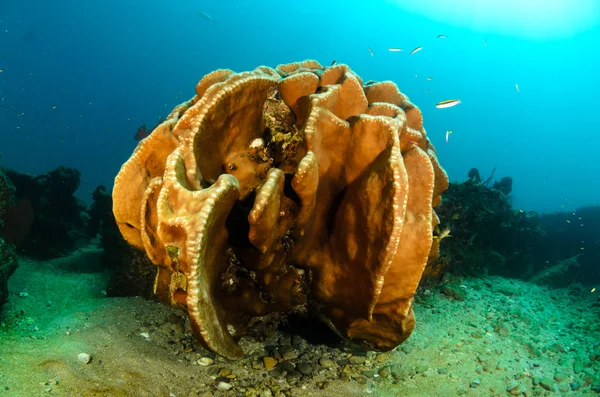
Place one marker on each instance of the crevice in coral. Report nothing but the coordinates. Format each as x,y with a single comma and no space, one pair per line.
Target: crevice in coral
237,223
289,191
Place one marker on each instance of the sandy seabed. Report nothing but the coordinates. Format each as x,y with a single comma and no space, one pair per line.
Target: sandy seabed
506,337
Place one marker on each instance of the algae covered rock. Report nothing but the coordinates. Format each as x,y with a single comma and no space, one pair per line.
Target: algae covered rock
8,258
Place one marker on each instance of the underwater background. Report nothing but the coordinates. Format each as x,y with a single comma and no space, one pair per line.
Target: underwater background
507,302
79,78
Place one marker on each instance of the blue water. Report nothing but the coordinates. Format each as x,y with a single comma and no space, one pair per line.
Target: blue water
79,77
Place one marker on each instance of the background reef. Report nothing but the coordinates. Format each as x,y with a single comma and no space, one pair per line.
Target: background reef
487,235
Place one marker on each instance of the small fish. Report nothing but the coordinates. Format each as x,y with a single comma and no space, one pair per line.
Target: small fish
394,49
141,133
371,82
593,290
442,36
517,87
334,62
416,50
207,17
485,43
429,78
371,51
448,103
448,134
444,233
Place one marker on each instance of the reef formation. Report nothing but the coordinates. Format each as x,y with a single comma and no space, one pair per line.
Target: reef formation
298,188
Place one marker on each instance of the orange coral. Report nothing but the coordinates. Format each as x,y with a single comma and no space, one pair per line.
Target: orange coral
277,187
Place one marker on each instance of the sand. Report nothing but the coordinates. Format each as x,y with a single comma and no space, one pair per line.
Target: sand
506,337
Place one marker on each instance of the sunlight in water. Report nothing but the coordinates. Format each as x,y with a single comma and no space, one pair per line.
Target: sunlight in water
532,19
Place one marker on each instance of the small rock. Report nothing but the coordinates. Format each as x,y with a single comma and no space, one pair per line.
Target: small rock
547,383
442,371
326,362
559,377
289,355
381,357
454,292
356,360
84,358
224,372
305,368
223,385
285,366
297,341
361,379
475,383
269,362
206,361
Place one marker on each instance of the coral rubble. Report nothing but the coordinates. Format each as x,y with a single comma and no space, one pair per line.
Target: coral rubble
286,189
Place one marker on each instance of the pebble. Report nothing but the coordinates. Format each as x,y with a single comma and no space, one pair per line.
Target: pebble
206,361
224,372
361,379
289,355
356,360
474,383
305,368
223,385
381,357
547,383
84,358
269,362
326,362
